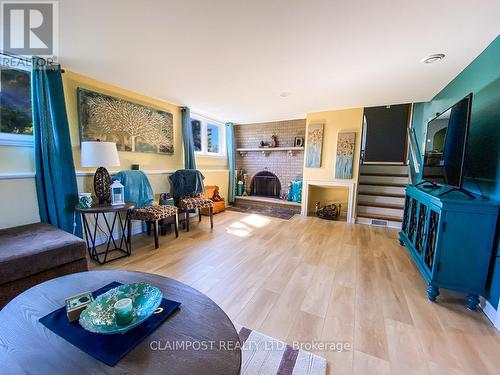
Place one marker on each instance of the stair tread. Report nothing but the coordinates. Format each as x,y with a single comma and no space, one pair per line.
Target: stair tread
381,174
380,194
380,217
388,184
381,205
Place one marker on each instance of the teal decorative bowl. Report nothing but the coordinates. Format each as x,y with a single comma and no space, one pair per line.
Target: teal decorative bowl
99,316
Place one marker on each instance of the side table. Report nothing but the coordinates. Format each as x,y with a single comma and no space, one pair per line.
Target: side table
124,227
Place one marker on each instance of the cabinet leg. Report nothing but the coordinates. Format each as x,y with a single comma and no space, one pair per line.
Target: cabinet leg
472,301
432,293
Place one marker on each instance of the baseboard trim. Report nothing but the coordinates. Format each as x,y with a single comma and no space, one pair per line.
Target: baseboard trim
490,313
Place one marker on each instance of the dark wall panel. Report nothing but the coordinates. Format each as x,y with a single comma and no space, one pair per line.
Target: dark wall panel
386,133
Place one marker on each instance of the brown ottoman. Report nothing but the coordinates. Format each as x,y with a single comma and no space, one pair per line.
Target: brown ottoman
33,253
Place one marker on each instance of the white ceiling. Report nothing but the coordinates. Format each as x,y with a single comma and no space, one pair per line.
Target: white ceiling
231,59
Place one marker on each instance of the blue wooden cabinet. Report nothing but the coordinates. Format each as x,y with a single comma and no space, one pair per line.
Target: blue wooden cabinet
450,238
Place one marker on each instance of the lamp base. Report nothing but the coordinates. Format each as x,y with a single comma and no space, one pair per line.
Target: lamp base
102,183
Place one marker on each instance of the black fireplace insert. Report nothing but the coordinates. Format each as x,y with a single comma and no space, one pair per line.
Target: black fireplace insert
265,184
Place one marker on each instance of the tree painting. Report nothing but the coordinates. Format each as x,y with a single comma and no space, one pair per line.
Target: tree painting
133,127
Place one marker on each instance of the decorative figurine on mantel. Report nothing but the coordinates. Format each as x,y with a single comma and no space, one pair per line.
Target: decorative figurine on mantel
274,141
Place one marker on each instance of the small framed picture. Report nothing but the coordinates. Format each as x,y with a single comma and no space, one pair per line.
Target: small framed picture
299,142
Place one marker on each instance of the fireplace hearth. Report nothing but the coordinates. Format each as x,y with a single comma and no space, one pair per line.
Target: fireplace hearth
265,184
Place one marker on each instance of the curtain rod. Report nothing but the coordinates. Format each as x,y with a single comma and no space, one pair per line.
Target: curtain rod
28,60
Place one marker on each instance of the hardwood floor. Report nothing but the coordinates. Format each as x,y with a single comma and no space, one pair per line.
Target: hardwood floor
309,279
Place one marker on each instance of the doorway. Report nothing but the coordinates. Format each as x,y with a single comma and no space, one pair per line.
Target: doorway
385,139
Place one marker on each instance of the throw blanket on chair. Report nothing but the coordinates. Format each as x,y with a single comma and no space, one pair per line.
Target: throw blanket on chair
137,187
186,182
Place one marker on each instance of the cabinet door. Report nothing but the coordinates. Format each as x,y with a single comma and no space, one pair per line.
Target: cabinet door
406,215
421,228
412,223
431,240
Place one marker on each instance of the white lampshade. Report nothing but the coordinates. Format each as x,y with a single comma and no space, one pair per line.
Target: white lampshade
99,154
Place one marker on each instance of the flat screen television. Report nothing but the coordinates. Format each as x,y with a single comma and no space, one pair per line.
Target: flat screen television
445,145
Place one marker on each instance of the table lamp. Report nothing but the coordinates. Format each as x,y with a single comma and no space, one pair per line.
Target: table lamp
100,154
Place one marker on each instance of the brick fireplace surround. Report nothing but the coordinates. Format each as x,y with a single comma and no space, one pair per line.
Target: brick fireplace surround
285,166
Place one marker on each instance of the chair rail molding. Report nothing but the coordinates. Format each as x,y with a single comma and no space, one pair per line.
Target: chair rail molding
350,204
16,175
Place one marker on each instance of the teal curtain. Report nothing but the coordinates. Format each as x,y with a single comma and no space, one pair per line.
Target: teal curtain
231,158
55,171
187,136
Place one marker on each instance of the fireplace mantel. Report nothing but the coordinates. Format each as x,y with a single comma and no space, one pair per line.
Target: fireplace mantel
267,150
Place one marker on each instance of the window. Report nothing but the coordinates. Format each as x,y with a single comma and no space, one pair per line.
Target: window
16,124
208,137
213,138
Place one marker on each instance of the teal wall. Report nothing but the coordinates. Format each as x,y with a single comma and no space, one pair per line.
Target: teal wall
482,78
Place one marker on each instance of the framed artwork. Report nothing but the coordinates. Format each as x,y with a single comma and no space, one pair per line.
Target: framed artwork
133,127
314,145
345,155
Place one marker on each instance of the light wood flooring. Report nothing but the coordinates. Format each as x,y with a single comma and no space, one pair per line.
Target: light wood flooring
308,279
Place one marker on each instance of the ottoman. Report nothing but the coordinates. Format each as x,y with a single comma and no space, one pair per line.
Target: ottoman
33,253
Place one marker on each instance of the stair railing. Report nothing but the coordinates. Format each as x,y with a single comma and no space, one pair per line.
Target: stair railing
415,154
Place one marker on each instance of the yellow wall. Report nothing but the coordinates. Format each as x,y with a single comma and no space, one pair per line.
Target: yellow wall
21,159
336,121
147,161
343,120
16,159
72,81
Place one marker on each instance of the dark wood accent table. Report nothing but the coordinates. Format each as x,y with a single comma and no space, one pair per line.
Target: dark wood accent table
27,346
124,225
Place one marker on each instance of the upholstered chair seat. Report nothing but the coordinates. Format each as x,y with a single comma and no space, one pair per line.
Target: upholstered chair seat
153,213
191,203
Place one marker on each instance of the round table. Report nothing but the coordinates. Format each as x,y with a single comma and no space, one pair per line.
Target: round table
27,346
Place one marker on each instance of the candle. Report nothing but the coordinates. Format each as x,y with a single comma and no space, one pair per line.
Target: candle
123,311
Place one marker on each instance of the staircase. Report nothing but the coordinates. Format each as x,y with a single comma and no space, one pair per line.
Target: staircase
381,194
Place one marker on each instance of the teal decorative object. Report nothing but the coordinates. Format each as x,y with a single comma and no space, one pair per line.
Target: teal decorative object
100,316
85,200
240,188
124,311
297,191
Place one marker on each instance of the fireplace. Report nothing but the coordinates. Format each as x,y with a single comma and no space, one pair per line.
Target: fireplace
265,184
